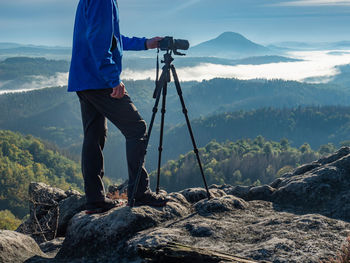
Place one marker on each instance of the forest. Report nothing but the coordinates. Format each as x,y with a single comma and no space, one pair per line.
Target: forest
313,125
24,159
243,162
53,115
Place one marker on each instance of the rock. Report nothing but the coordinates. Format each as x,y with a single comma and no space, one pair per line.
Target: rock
193,195
276,183
50,211
259,232
93,235
52,247
342,152
199,230
238,190
220,204
318,190
263,192
17,247
71,192
305,168
152,239
44,195
67,209
174,252
319,187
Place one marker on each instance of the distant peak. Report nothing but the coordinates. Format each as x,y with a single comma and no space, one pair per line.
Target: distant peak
229,34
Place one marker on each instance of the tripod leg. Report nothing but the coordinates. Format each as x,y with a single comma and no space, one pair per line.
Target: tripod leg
157,92
184,110
160,148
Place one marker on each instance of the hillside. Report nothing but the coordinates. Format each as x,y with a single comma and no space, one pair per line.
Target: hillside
313,125
24,159
232,95
244,162
54,115
20,67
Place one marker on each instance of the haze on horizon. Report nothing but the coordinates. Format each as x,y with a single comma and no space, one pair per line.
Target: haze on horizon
50,22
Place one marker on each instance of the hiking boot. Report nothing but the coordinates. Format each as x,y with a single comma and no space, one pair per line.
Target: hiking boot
150,198
101,207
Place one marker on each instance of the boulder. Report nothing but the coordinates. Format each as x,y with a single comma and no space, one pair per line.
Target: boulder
194,195
322,188
68,208
17,247
52,247
100,234
50,211
220,204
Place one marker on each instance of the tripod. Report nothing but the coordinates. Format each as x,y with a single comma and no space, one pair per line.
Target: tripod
161,89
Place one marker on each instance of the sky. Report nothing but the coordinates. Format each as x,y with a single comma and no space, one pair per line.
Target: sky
50,22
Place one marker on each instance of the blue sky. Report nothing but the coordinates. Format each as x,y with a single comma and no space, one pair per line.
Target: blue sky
50,22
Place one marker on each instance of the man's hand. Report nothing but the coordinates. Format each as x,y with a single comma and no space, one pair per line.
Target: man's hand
153,42
118,91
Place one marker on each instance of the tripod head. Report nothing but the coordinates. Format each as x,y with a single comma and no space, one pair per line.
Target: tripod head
167,60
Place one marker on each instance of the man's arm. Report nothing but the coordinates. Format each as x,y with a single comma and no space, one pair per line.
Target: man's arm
136,43
119,91
99,19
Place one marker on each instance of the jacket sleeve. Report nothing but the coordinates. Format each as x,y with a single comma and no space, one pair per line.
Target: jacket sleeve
134,43
99,17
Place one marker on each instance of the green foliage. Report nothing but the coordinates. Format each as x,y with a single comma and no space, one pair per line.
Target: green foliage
24,159
53,115
315,125
243,162
8,221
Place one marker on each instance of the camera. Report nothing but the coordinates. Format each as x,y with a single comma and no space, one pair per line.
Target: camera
169,43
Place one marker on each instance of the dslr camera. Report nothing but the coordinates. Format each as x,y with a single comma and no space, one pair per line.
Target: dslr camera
171,44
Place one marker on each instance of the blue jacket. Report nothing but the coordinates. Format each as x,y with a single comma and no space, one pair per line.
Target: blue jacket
97,61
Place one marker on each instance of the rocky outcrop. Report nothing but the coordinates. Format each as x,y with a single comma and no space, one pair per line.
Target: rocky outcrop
301,217
320,187
17,247
50,211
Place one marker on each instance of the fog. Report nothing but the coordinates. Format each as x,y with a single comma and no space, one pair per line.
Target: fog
37,82
320,66
315,67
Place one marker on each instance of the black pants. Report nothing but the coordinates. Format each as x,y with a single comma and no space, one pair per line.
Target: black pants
96,107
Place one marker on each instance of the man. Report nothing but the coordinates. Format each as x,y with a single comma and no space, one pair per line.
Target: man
94,75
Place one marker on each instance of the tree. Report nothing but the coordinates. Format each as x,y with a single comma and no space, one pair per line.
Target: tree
8,221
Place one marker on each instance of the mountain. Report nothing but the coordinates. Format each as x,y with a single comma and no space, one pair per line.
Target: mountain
14,49
229,44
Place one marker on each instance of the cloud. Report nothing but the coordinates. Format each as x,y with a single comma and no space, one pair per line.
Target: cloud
315,3
316,67
184,6
38,82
